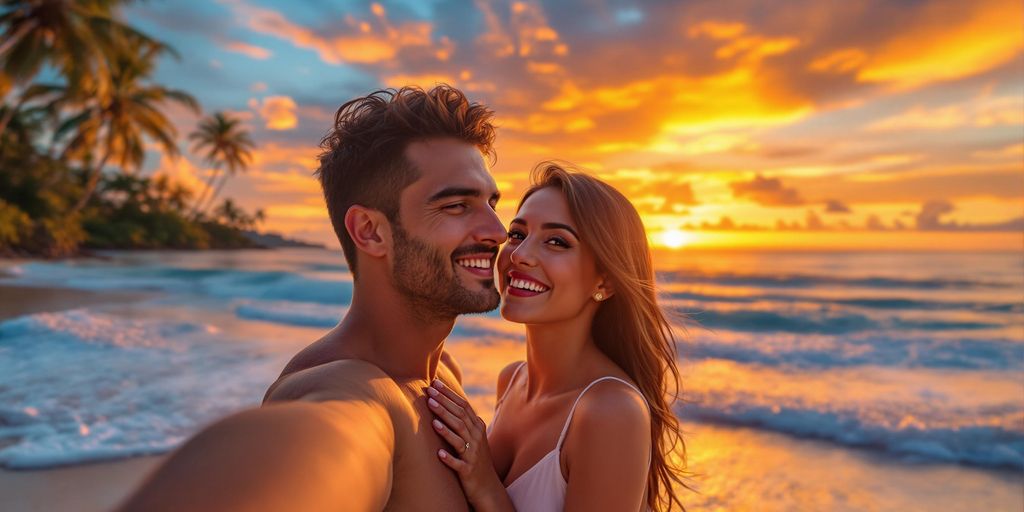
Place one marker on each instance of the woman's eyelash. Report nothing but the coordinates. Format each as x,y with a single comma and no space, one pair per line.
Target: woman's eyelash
515,234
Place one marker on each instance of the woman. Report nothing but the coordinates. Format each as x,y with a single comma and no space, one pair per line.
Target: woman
583,424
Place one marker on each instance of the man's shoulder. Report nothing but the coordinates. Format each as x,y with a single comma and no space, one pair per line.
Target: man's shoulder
342,379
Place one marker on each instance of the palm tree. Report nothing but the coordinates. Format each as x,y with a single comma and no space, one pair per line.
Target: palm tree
226,144
233,215
73,36
112,126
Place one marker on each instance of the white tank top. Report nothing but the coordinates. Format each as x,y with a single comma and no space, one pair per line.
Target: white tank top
542,487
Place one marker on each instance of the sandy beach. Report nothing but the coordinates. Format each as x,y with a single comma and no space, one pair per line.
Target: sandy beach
26,300
87,488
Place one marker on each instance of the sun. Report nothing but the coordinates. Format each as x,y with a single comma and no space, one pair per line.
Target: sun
676,239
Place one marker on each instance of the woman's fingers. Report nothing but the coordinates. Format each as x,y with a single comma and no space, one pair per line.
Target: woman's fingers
452,395
461,407
447,402
453,422
457,442
458,465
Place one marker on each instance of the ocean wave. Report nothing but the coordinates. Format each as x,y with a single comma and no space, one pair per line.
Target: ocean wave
819,352
292,313
977,445
933,415
214,282
821,320
880,303
81,386
819,281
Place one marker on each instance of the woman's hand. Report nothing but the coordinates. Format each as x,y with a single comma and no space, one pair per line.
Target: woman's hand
470,458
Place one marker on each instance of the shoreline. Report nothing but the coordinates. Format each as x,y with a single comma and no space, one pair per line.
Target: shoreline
734,468
91,487
19,300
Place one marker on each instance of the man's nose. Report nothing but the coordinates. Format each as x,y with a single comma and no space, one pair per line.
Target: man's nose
491,230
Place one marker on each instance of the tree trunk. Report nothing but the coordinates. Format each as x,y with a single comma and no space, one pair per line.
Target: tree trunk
90,186
216,192
202,197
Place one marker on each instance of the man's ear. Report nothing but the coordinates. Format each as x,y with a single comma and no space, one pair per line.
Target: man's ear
369,230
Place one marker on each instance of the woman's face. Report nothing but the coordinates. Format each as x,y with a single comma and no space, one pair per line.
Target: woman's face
545,274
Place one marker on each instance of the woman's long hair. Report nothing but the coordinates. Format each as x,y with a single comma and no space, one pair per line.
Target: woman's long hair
630,327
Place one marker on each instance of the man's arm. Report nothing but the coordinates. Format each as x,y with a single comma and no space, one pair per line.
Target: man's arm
333,455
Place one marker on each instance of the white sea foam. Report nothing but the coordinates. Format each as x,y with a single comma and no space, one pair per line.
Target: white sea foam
82,386
302,314
967,417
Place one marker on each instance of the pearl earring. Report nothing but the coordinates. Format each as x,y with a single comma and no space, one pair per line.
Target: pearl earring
599,296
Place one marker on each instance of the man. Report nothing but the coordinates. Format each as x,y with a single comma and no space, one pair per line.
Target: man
346,426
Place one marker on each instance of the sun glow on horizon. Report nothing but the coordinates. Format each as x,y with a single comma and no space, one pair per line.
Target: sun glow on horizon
675,238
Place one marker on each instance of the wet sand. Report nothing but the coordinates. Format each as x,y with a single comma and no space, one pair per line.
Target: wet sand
26,300
87,488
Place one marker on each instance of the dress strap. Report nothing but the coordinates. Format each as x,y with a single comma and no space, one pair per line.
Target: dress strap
565,428
510,383
497,405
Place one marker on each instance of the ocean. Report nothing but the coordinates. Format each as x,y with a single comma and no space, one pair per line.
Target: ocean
812,381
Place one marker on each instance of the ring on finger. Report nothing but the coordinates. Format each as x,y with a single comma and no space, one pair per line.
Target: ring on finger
465,448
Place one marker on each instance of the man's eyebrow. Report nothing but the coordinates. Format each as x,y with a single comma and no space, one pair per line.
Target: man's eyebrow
461,192
549,225
454,192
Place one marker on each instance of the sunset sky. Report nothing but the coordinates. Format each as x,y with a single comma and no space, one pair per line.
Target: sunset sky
798,124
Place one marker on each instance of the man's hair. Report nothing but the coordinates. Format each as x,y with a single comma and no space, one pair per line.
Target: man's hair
363,160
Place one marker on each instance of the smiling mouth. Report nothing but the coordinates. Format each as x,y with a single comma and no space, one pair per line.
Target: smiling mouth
478,266
520,286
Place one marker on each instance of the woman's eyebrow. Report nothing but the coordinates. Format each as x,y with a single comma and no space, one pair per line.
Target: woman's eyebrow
549,225
558,225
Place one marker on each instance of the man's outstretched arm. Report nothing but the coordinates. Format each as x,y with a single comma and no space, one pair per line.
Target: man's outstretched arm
334,455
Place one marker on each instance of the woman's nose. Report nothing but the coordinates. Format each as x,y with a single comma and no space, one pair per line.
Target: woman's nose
523,255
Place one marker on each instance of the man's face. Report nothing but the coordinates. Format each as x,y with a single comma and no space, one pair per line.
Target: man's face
448,234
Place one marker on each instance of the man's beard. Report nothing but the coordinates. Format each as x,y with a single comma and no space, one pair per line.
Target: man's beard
420,274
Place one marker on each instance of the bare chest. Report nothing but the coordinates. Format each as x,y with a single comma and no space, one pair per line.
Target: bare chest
420,481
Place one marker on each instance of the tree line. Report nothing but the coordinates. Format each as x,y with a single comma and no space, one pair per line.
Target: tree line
78,106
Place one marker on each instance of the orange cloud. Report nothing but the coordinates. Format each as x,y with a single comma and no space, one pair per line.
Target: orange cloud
425,80
740,43
297,158
981,112
494,37
1006,152
839,61
183,172
364,42
534,33
279,113
949,41
717,29
767,192
248,50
